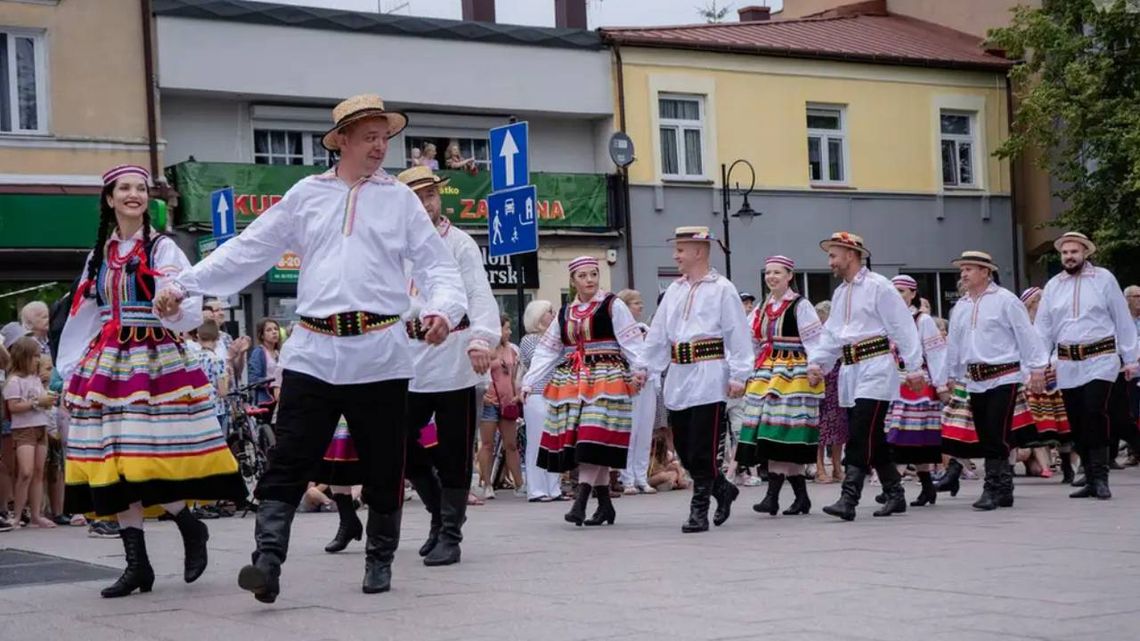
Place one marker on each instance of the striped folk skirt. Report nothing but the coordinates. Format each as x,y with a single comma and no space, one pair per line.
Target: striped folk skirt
1049,412
960,438
781,412
589,416
340,464
914,426
143,427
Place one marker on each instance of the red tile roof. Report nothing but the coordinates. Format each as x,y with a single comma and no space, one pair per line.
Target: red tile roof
864,37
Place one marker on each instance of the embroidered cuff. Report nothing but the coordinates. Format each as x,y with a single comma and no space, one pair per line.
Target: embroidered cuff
430,313
478,344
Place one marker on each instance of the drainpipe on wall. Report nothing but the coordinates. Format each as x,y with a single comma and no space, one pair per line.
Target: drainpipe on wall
628,231
1017,257
151,107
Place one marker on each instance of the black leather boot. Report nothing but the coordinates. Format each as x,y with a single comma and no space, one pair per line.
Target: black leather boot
1005,485
577,513
771,503
724,493
1099,480
349,529
1067,475
951,480
453,513
699,508
271,532
383,532
928,496
990,486
429,491
138,575
892,489
194,537
802,504
605,512
849,494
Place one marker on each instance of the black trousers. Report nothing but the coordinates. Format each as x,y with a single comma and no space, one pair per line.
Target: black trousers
993,419
697,433
1122,414
455,423
1088,408
867,435
309,412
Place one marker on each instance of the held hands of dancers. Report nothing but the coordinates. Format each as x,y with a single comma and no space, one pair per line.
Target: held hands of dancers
735,389
1131,372
480,358
814,374
1037,381
638,381
916,381
944,395
167,302
437,329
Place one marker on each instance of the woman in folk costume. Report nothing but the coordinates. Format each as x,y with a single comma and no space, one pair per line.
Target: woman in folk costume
781,408
340,470
914,422
143,429
590,346
1048,409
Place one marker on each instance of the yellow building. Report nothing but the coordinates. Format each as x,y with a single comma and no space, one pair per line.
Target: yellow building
865,121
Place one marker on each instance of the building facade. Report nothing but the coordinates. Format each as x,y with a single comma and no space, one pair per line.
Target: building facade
876,124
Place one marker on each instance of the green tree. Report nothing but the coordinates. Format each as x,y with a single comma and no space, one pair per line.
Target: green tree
1079,106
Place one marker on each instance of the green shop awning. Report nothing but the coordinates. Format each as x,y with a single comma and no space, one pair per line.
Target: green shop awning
56,221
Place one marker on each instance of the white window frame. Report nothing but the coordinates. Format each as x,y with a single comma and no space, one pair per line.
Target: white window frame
824,153
39,47
310,140
972,138
679,126
441,153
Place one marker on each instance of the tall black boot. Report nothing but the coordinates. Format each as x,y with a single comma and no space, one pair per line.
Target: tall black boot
951,480
380,548
271,532
1005,485
724,493
892,489
990,487
927,496
771,503
844,508
577,513
699,508
802,504
605,512
138,575
1099,459
1067,475
194,537
429,491
453,513
350,528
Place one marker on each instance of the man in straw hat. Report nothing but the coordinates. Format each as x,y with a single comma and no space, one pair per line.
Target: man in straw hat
699,332
1084,315
867,315
990,344
354,227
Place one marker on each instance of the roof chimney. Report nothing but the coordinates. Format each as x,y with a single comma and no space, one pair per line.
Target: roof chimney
570,14
479,10
755,14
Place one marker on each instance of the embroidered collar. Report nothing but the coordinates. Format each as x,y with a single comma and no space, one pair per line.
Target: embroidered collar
860,276
707,278
788,295
381,177
991,288
599,296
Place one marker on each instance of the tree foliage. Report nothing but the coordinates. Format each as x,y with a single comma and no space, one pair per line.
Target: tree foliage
1079,106
712,13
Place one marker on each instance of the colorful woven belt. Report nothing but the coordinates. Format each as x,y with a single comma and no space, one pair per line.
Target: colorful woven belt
979,372
706,349
348,323
866,349
1088,350
417,331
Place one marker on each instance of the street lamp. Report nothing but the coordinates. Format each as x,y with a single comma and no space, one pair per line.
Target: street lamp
745,213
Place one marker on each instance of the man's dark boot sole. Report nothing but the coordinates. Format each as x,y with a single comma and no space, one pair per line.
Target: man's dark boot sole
254,579
839,513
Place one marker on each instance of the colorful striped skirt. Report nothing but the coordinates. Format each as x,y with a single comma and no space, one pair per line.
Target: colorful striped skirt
781,411
914,426
1048,411
143,427
589,415
341,464
960,438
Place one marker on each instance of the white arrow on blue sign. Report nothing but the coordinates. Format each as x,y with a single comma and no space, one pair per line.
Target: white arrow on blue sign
512,221
222,208
510,158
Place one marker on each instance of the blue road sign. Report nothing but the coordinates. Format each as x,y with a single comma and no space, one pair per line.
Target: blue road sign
510,162
222,208
512,221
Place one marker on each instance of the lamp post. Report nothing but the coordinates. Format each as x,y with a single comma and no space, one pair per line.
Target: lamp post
745,213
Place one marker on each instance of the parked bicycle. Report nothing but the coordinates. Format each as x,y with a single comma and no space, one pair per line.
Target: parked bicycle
249,432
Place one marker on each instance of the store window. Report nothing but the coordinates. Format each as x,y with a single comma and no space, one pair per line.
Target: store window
940,288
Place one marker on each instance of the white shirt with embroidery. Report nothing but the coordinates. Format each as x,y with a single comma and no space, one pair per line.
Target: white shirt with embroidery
446,367
1083,308
866,307
933,348
353,241
992,329
691,311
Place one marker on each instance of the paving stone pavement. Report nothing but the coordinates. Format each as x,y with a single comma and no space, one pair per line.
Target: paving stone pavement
1051,568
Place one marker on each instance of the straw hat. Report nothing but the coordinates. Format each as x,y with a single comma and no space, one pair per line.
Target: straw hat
419,177
694,233
977,258
846,240
1078,237
359,108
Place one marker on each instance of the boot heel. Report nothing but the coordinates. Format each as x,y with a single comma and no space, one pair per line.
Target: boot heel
147,587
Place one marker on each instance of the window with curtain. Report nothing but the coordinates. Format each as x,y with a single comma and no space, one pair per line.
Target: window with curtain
23,99
958,148
681,122
827,142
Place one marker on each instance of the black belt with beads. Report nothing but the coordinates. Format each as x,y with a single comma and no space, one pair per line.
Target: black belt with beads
1088,350
349,323
706,349
865,349
984,371
417,331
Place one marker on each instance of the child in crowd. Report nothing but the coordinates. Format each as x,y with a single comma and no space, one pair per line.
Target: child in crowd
665,471
28,403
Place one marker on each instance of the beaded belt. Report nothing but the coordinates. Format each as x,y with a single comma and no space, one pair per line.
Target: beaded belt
1088,350
866,349
417,331
348,323
979,372
706,349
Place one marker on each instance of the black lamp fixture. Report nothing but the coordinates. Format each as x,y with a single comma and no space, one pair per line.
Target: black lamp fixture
746,213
